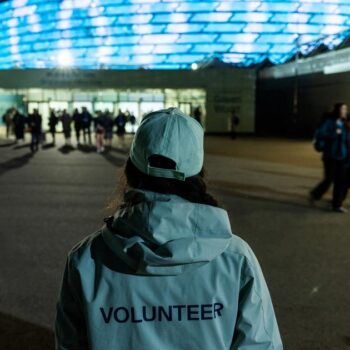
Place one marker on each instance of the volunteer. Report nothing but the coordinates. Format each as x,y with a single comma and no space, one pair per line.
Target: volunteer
165,272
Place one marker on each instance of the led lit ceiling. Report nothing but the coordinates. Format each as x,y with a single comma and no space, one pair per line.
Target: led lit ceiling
154,34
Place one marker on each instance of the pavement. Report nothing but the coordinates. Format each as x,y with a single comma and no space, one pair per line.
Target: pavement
54,198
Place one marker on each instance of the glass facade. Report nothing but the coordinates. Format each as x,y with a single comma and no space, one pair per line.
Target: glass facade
167,34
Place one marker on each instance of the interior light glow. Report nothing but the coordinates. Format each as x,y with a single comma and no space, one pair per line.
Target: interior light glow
65,59
337,68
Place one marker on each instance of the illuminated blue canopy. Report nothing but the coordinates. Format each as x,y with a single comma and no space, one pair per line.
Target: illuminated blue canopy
164,34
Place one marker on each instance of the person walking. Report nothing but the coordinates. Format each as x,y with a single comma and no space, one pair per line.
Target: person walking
7,120
347,163
86,120
77,124
165,271
66,121
234,122
35,127
132,120
53,121
100,132
197,114
332,139
109,124
120,122
19,122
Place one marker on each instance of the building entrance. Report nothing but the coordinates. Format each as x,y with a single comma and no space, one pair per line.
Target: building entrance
131,101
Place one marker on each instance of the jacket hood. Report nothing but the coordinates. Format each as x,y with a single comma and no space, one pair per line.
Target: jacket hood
162,234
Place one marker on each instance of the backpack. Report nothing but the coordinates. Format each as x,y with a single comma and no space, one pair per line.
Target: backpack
319,141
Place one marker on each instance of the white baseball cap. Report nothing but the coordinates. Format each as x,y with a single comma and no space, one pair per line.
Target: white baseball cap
171,134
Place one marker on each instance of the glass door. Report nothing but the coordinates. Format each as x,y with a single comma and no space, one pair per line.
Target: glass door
104,106
80,104
147,107
186,107
58,106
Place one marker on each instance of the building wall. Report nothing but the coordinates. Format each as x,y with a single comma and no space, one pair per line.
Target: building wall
316,94
226,88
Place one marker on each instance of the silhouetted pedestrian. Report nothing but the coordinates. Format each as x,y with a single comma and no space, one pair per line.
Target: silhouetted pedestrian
132,120
100,132
7,119
86,120
53,121
19,122
197,114
77,119
34,123
66,120
120,122
109,124
332,139
234,122
347,163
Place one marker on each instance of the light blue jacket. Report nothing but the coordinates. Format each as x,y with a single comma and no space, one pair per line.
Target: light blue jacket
163,274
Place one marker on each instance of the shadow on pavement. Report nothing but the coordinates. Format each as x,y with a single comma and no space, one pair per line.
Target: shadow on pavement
25,145
17,334
120,150
346,340
15,163
86,148
282,198
118,162
8,144
66,149
48,145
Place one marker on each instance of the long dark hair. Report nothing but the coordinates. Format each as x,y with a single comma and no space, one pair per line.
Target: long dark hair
336,109
194,188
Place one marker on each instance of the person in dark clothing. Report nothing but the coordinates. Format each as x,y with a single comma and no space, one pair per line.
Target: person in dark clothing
234,124
53,121
120,122
7,119
132,120
335,133
109,124
347,163
19,122
86,120
197,114
66,120
34,123
77,124
100,129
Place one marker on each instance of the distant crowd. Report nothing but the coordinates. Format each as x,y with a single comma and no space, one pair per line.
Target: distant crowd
82,121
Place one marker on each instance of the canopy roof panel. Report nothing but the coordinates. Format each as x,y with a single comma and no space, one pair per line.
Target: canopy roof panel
154,34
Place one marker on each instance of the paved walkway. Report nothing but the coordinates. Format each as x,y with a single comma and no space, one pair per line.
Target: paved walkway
274,169
53,199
